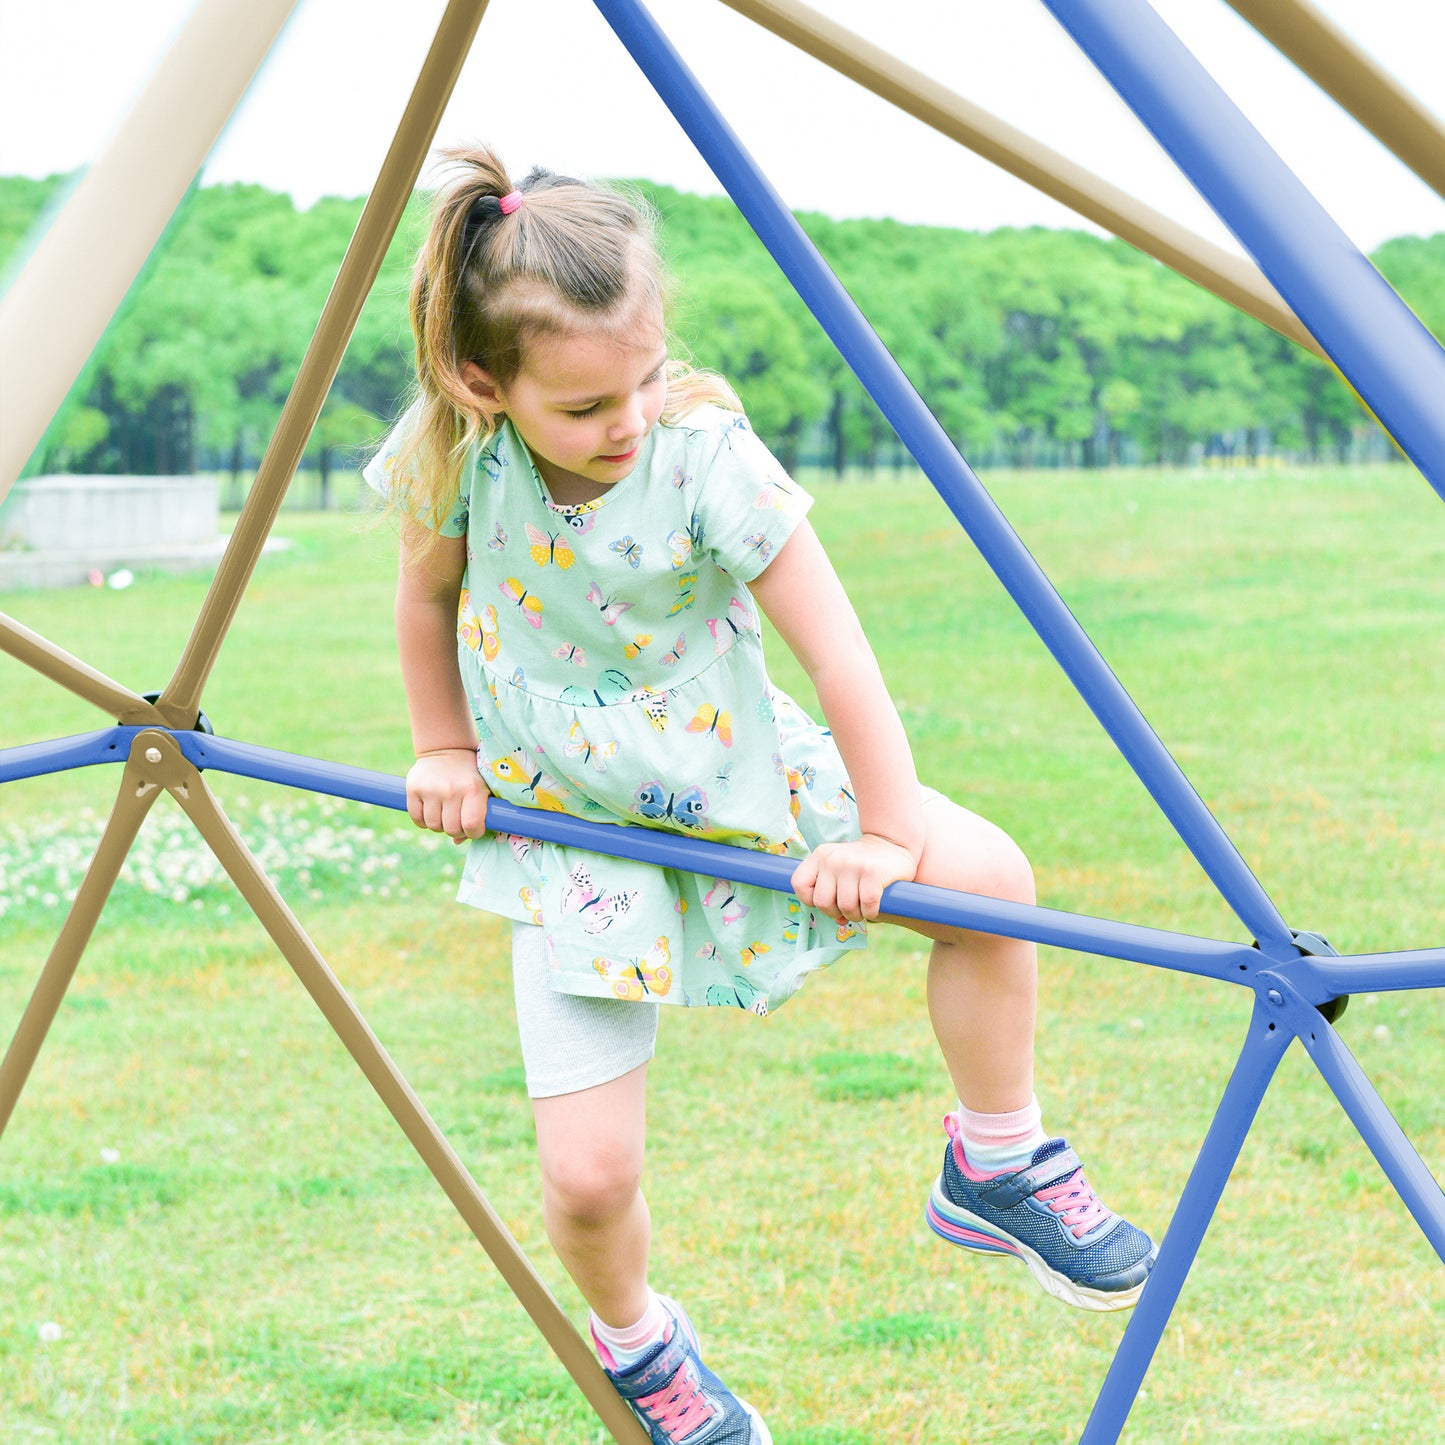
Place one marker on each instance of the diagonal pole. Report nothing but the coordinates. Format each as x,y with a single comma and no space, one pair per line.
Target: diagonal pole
185,783
70,672
1264,1046
133,801
1377,342
965,495
1300,31
379,219
59,305
1366,1110
1230,277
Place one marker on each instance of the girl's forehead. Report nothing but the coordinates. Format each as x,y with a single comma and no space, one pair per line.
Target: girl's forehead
580,361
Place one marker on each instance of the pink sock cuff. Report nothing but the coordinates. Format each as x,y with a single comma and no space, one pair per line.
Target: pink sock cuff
1010,1128
633,1337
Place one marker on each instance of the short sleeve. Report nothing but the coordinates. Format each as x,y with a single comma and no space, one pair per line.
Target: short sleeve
381,475
747,505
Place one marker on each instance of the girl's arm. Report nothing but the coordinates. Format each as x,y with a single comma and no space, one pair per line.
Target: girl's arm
444,791
804,600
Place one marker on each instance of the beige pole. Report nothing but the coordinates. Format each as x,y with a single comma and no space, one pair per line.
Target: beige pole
132,803
189,789
1356,80
1229,277
379,219
70,672
57,308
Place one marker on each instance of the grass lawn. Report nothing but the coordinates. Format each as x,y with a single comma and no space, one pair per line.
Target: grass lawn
211,1231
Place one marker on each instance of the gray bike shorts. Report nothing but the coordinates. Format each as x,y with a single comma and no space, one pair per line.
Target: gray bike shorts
569,1042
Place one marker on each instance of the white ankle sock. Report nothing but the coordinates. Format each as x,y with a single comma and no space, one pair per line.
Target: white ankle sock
1000,1143
628,1346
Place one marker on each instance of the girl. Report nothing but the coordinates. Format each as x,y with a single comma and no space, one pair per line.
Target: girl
589,529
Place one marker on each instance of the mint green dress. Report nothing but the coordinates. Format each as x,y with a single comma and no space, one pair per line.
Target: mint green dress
612,659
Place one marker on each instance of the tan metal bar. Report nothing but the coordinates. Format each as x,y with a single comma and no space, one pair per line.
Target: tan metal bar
70,672
1229,277
57,308
133,801
379,220
1298,30
189,789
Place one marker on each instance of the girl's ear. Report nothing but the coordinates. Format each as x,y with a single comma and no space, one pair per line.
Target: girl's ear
484,387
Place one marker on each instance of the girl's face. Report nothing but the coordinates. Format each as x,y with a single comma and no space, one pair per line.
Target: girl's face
583,405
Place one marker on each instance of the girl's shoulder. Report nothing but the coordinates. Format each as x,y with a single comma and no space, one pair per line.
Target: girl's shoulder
704,436
706,422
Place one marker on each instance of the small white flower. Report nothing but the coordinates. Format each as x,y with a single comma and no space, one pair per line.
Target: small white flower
110,1156
1380,1034
49,1332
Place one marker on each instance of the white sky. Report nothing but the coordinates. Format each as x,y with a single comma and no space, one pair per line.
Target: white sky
547,83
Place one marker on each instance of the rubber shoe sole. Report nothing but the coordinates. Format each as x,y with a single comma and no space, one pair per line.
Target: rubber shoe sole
958,1226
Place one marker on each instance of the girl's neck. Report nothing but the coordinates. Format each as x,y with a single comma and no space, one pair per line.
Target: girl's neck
567,489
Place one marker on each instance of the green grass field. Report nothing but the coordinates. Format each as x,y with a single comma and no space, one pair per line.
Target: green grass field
211,1231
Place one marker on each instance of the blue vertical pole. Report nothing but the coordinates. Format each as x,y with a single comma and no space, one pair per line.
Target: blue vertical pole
965,495
1394,363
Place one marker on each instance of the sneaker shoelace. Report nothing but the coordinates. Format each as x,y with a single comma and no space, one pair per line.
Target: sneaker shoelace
1074,1201
680,1406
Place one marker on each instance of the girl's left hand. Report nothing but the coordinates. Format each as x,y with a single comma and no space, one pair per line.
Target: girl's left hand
846,880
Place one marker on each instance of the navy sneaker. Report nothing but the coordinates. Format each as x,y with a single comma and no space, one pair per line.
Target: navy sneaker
678,1399
1048,1216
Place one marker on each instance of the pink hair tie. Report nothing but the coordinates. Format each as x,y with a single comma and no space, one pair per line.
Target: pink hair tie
510,202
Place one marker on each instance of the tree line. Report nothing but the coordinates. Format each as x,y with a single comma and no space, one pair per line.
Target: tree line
1032,346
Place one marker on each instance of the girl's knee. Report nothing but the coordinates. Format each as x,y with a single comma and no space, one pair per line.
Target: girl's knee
967,852
592,1180
1007,873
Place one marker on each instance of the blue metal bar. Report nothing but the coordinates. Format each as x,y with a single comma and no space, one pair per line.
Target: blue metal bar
1392,361
1358,1097
33,760
1370,973
1264,1047
1210,958
950,474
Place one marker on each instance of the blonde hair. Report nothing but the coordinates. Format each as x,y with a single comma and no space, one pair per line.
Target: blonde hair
573,257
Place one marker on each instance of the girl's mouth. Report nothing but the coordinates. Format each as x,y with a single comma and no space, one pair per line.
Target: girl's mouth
626,456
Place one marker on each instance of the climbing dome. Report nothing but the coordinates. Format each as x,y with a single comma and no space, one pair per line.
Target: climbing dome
1311,285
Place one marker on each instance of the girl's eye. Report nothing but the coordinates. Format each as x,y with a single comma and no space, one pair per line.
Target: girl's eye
596,405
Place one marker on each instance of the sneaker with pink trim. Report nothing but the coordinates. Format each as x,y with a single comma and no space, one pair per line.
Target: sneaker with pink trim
1047,1215
677,1398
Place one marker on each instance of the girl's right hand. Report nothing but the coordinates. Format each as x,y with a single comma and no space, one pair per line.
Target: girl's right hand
445,793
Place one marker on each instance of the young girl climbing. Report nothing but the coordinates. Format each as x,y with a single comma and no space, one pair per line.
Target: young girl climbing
589,532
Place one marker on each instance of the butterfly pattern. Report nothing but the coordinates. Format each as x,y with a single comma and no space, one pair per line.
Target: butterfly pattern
629,550
597,755
549,547
528,603
713,721
610,608
616,674
639,978
687,808
737,622
598,910
723,896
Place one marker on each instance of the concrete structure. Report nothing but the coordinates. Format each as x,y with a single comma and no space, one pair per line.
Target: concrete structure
55,531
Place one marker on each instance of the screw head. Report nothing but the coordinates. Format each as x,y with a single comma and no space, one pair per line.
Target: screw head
1275,997
153,755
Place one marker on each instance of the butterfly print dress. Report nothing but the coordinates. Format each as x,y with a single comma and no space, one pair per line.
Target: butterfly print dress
614,666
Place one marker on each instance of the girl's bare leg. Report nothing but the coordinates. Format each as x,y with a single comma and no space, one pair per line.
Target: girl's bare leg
982,990
591,1149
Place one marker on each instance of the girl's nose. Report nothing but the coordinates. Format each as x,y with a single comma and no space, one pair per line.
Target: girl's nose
629,420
